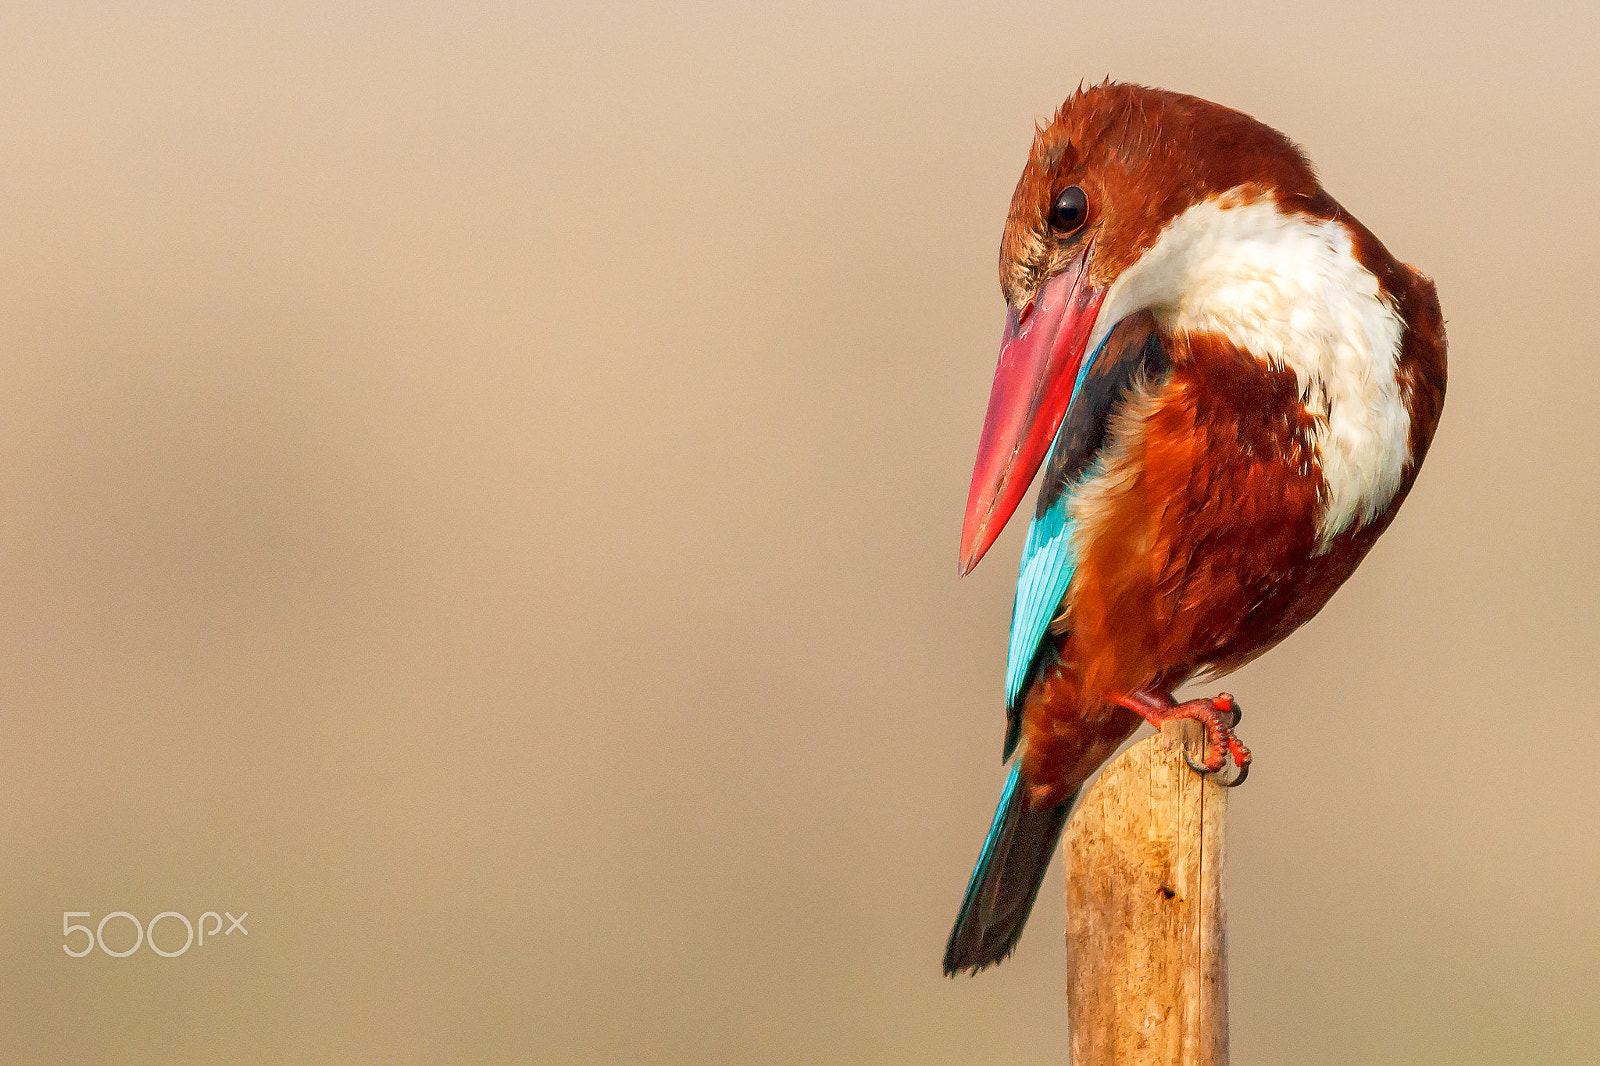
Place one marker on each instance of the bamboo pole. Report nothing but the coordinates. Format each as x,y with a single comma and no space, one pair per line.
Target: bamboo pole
1147,950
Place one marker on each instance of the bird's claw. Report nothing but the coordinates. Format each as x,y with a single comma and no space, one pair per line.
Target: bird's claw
1234,782
1223,743
1209,713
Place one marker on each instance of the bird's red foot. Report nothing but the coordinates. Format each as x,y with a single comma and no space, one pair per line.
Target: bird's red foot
1158,708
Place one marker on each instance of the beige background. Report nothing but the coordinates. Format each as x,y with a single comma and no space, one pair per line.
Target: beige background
479,491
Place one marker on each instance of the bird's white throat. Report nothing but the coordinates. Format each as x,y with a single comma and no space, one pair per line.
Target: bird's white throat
1290,290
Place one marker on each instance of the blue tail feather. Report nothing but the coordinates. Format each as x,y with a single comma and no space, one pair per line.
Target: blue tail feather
1010,870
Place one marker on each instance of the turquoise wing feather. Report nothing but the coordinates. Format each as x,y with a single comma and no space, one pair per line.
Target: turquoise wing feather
1048,560
1131,353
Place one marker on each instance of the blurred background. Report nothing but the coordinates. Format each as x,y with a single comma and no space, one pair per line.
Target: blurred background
481,485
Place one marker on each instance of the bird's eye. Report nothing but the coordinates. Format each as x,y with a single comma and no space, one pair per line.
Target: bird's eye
1070,210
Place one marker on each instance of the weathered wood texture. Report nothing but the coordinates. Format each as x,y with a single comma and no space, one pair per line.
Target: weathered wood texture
1147,950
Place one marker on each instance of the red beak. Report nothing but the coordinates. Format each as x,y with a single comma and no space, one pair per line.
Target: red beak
1039,359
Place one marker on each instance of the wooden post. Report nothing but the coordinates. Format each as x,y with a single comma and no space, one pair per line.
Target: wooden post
1147,948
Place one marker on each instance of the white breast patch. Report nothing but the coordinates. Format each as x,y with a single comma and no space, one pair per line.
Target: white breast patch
1289,290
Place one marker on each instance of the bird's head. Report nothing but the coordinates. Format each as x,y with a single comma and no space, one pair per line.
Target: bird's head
1092,238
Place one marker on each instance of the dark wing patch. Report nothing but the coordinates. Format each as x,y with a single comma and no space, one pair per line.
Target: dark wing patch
1132,352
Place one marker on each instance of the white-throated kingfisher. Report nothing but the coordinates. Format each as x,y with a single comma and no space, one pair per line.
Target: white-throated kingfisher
1231,385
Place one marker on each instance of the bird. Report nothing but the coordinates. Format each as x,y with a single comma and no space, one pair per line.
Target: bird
1231,385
